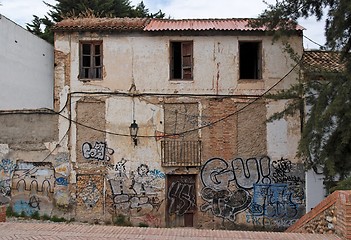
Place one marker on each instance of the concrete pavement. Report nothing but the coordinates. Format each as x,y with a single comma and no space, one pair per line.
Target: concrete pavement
58,231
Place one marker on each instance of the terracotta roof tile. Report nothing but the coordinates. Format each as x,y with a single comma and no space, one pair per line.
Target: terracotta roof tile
322,61
230,24
153,25
100,24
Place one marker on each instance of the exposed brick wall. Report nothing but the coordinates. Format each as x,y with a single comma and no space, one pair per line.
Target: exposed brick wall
252,129
220,140
90,113
62,75
343,206
332,215
3,213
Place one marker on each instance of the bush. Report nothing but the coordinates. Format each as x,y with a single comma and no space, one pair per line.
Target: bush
342,185
121,220
143,224
11,213
45,217
35,215
23,214
57,219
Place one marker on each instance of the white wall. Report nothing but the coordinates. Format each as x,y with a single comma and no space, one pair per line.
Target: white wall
26,69
315,191
145,60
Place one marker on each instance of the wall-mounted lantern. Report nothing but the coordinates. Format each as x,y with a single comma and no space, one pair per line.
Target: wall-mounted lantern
133,129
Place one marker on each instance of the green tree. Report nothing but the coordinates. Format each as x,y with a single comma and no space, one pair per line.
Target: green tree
75,8
326,132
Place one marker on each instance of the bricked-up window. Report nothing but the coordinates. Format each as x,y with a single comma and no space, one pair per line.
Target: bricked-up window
250,60
90,60
182,147
181,60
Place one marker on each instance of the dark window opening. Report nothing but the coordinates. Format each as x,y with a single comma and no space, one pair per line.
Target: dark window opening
182,60
250,60
91,60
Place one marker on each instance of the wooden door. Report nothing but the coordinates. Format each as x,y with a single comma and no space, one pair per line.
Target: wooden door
181,200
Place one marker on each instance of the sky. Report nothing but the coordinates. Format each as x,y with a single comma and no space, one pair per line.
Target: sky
22,11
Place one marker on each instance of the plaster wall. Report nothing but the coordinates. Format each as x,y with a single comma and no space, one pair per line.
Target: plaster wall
26,66
144,61
242,156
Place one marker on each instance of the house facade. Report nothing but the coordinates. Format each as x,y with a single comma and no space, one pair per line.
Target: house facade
164,122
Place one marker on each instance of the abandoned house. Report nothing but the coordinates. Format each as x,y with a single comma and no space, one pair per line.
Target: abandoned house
164,121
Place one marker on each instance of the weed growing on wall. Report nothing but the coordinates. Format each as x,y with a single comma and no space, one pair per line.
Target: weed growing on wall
142,224
121,220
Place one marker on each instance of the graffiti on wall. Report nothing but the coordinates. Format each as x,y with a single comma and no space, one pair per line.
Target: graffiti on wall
225,203
268,191
99,151
7,167
138,190
30,185
281,172
218,173
33,187
90,195
181,196
34,177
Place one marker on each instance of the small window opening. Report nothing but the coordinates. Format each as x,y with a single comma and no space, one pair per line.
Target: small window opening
250,60
182,60
91,60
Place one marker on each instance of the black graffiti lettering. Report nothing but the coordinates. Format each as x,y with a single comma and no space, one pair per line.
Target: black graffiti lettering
34,202
224,203
135,191
276,192
99,151
181,198
217,174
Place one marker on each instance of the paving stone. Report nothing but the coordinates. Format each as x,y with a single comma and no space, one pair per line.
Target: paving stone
71,231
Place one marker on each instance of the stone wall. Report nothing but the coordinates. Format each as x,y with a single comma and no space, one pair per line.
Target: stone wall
331,216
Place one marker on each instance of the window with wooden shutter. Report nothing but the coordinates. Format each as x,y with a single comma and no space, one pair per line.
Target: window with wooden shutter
181,60
90,60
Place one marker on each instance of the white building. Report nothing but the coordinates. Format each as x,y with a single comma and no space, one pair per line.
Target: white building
26,68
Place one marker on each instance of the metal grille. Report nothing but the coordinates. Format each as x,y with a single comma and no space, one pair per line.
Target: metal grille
181,153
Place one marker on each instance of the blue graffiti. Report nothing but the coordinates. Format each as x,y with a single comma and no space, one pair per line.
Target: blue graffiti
24,206
157,173
61,181
274,201
7,165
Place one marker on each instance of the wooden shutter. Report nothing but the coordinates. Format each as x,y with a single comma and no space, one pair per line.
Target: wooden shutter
187,60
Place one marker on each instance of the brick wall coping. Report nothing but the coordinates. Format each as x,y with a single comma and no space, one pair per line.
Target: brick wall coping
344,196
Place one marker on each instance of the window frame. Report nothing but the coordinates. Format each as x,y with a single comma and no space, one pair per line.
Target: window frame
92,60
257,65
181,67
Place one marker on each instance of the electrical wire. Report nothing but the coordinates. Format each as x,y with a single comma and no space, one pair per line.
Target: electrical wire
48,155
320,45
190,130
247,105
50,111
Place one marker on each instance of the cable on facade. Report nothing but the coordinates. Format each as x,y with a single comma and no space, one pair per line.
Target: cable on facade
194,129
50,111
49,154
